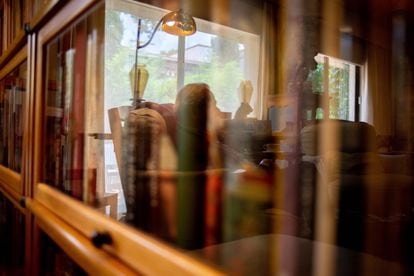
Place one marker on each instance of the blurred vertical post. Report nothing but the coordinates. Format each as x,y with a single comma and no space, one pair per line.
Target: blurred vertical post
326,196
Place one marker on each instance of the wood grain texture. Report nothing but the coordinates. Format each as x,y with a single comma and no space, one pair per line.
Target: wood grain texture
138,250
11,182
78,247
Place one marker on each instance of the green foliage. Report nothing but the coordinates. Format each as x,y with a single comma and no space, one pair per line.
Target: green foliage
114,30
338,88
223,74
223,80
117,63
316,78
161,88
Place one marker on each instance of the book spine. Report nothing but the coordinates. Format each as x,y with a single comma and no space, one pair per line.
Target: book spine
78,107
67,141
2,126
7,121
191,188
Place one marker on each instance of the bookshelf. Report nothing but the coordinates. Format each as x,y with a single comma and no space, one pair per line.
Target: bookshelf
13,16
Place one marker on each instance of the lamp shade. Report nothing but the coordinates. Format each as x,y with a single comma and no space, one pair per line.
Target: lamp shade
178,23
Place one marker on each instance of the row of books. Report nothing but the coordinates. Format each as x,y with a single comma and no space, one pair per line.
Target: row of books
12,102
13,15
193,210
71,97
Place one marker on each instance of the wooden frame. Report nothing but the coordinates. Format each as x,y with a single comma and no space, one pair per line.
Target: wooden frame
79,248
14,45
41,15
11,181
138,250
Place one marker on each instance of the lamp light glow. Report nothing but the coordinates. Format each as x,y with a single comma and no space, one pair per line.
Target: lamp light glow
176,23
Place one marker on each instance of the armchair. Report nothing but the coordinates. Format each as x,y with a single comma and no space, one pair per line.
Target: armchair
375,194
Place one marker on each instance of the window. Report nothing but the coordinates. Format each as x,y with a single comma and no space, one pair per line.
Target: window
342,82
217,55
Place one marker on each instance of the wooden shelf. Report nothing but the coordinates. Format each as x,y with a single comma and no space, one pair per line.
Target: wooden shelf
17,44
147,250
77,246
11,182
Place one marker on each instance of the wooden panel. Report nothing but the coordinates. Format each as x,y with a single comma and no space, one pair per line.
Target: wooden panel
138,250
76,246
17,59
13,48
9,179
42,13
70,12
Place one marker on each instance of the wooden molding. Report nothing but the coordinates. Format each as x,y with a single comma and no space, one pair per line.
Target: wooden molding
29,116
67,14
11,50
76,246
42,13
14,62
138,250
11,181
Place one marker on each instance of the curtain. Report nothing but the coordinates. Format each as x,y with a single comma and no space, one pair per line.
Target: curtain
377,97
269,58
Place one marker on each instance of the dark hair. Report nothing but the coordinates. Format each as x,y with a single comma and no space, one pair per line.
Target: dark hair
195,94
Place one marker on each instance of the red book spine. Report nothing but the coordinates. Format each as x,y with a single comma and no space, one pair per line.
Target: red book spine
78,106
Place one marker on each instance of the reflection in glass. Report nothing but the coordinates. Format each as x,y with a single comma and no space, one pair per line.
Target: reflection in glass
317,174
12,108
73,125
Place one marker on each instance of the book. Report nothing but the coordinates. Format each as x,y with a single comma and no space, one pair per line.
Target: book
19,106
53,148
67,133
2,126
7,120
93,178
192,163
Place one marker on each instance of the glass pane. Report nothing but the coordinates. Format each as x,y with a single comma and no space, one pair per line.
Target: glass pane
223,63
74,130
12,104
12,238
341,84
237,138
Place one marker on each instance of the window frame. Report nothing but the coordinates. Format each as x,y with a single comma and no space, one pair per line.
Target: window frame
251,42
355,78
